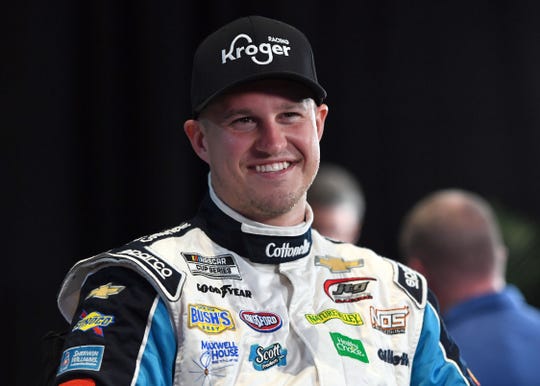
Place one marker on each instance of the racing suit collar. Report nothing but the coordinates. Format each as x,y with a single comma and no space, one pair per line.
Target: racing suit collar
258,242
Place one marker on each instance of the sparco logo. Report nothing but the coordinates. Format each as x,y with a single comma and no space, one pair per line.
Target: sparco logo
285,250
159,266
261,321
348,290
242,45
389,357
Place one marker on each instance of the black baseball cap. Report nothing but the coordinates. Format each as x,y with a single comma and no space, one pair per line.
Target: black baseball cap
247,49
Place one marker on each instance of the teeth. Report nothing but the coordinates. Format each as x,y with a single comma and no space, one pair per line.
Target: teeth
275,167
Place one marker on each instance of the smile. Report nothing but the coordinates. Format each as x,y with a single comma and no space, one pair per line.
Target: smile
275,167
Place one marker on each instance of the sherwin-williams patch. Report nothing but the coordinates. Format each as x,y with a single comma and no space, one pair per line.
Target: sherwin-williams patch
81,358
353,318
209,319
264,358
94,321
337,264
348,347
213,267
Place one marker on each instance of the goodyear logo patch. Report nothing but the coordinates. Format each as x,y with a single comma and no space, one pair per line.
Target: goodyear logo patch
81,358
214,267
210,319
94,321
337,264
353,318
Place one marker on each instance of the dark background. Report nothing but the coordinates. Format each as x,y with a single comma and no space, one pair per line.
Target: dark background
422,95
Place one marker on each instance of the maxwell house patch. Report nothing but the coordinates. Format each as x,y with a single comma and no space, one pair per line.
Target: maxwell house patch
337,264
94,321
213,267
209,319
81,358
411,282
261,321
353,318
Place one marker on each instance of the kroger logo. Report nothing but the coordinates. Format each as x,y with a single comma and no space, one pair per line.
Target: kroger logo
242,45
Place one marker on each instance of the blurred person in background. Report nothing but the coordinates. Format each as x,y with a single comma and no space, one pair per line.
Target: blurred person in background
452,236
338,203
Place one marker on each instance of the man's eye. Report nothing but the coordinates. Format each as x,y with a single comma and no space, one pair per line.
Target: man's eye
243,120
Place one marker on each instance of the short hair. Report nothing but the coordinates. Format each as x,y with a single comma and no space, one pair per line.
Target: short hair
334,185
452,229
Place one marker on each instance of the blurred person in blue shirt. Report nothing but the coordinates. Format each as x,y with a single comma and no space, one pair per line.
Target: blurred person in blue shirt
452,236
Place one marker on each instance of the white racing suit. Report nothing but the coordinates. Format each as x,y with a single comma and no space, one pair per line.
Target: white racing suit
221,300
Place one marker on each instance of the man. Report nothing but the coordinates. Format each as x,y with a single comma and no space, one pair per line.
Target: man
452,237
338,203
245,292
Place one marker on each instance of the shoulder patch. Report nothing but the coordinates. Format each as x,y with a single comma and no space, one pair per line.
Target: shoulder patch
411,282
168,278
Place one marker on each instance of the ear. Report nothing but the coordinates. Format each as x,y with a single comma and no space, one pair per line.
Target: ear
320,118
196,135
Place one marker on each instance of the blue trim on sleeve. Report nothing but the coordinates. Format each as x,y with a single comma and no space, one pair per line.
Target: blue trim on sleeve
157,362
432,365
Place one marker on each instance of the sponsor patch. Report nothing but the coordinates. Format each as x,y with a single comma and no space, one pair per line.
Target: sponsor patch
286,250
411,282
390,321
213,267
261,321
353,318
389,356
348,347
220,351
264,358
210,319
224,290
94,321
81,358
337,264
348,290
104,291
168,278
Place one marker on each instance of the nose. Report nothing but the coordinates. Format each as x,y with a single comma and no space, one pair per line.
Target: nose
272,138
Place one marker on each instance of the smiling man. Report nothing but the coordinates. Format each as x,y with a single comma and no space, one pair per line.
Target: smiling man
246,293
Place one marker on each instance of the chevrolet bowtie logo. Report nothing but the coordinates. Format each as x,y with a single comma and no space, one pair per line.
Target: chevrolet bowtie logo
104,291
337,264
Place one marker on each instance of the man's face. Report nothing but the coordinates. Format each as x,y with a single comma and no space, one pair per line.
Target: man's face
262,144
